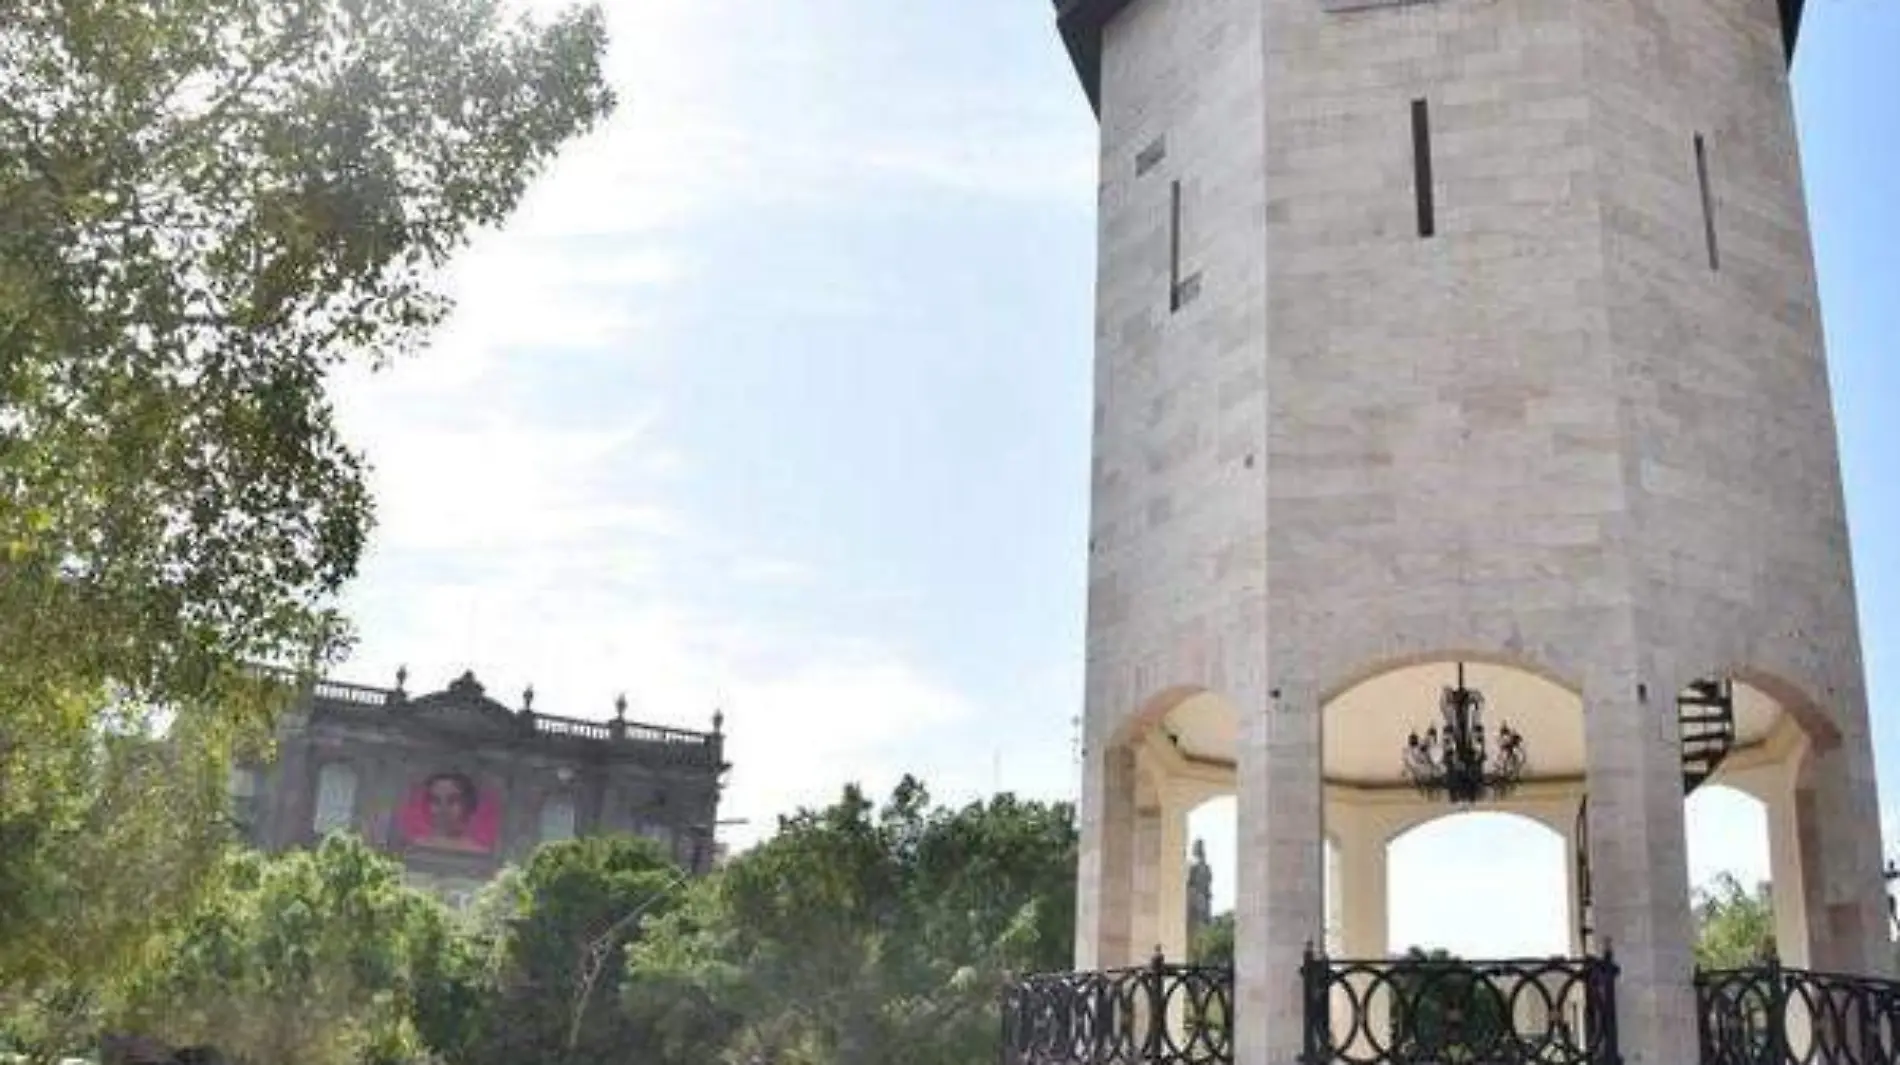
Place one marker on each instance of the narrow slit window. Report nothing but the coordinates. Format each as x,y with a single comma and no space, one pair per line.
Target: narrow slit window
1151,156
1174,246
1422,168
1708,201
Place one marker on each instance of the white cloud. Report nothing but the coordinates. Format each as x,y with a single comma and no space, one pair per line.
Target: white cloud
799,736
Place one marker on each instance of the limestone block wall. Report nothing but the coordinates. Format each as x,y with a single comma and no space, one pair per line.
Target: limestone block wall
1737,525
1445,462
1557,431
1176,550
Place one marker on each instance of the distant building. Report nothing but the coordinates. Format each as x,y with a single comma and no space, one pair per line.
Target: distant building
457,785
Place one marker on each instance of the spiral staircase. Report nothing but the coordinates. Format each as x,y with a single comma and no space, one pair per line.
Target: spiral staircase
1705,717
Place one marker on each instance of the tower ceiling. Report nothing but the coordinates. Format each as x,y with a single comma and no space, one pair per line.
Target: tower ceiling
1082,22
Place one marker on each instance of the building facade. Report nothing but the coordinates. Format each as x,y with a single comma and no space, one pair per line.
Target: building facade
1455,348
457,785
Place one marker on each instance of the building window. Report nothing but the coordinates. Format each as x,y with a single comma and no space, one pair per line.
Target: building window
656,831
1708,201
1422,168
1181,290
557,820
1151,156
336,799
243,788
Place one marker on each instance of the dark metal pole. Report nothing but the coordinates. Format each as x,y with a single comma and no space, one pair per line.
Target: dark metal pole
1312,996
1777,1009
1157,1009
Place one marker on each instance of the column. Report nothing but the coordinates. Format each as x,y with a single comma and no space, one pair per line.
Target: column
1144,910
1573,893
1105,865
1279,905
1784,866
1158,910
1362,890
1844,894
1171,931
1359,847
1639,860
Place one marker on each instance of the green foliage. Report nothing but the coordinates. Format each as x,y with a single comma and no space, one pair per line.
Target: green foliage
121,827
572,898
1214,942
1442,1010
1735,927
205,207
309,958
860,935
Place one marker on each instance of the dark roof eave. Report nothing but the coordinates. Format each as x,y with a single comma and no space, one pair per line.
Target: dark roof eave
1790,25
1082,22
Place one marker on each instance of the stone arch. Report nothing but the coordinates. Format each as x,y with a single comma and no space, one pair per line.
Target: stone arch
1418,845
1152,768
1384,702
1774,764
1372,670
1371,804
1815,722
1548,820
1153,711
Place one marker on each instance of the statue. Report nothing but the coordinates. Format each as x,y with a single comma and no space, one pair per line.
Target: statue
1200,891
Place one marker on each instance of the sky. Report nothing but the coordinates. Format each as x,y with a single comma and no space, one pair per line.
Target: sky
774,399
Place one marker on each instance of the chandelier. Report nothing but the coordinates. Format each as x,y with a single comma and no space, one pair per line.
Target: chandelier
1452,760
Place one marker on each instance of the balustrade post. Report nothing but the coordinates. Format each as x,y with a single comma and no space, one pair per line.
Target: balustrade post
1777,1009
1705,1031
1313,994
1157,1009
1606,972
1866,1033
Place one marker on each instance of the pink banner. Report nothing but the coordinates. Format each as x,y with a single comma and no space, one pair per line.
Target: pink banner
449,811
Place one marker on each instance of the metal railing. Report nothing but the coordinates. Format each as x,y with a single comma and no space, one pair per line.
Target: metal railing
1771,1015
1447,1011
1157,1014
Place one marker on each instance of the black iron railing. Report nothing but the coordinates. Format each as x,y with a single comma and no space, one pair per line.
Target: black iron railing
1770,1015
1158,1014
1445,1011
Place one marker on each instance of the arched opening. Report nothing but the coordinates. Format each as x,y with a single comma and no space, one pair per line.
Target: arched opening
1484,875
1730,877
1742,819
1167,781
1478,885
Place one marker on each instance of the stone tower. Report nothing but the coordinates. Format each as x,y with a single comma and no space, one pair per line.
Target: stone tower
1482,332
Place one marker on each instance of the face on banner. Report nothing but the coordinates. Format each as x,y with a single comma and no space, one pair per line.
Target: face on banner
449,811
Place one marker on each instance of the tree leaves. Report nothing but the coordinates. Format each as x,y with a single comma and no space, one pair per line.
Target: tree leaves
206,206
1735,927
309,958
858,936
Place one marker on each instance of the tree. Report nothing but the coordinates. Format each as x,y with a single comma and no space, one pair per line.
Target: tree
858,935
206,206
308,958
567,919
1443,1009
130,826
1214,942
1735,927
